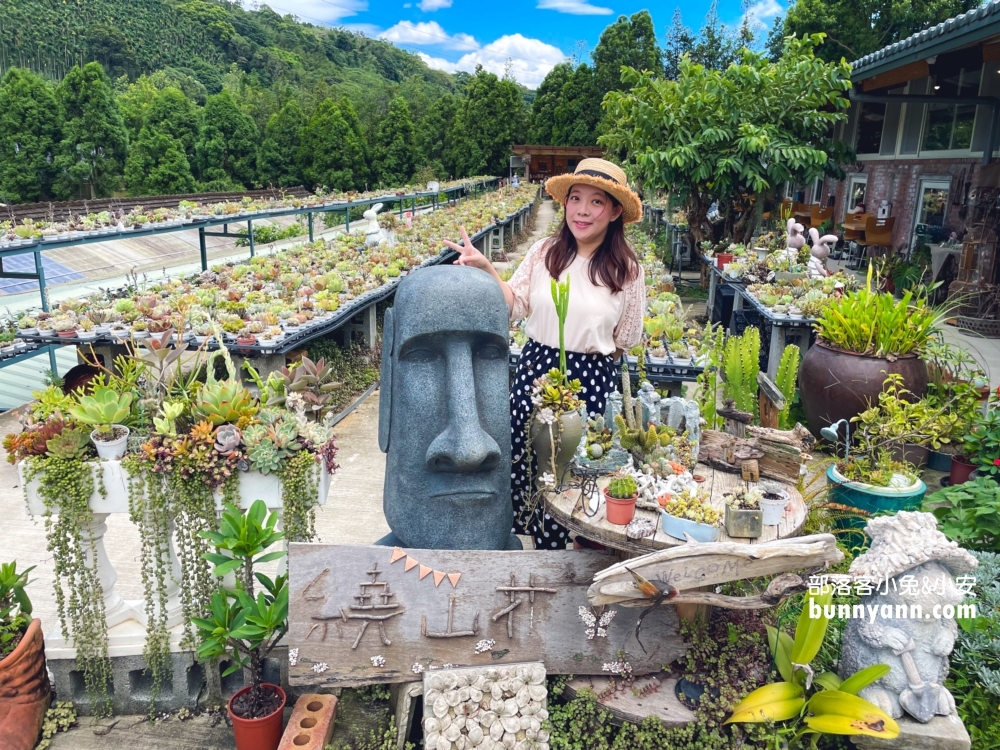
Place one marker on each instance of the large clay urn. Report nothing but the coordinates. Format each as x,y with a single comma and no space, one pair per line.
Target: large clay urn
24,691
567,429
835,384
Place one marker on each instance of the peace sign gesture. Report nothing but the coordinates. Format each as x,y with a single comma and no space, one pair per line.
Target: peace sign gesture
468,254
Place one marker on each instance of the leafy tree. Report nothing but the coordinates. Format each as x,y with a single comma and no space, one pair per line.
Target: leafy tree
547,98
171,112
433,138
715,46
394,152
277,160
330,153
227,145
628,41
579,110
29,132
856,28
360,157
156,165
491,118
732,136
94,140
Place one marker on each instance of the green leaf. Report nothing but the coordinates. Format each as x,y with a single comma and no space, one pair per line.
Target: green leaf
810,632
778,701
863,678
829,680
230,565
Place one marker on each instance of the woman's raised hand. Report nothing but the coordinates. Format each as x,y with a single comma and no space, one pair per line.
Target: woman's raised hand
468,254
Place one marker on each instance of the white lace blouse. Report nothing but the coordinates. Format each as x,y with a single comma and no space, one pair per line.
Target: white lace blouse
598,321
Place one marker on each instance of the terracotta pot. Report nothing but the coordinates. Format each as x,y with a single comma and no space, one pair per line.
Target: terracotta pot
569,442
960,470
722,259
24,691
619,511
840,385
258,734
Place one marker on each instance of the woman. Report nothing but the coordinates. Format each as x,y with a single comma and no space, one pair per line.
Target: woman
606,305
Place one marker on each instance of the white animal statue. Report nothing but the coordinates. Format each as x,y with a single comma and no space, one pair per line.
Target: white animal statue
821,249
794,242
374,235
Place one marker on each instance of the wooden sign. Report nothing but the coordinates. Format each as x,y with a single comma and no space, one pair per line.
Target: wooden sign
693,565
362,615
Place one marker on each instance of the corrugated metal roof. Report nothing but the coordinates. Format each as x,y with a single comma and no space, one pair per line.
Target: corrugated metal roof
955,32
18,380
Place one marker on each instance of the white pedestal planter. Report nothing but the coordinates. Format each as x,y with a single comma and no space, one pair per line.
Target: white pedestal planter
126,619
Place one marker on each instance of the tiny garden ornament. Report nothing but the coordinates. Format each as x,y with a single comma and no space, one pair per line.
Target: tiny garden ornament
909,565
374,234
821,249
795,240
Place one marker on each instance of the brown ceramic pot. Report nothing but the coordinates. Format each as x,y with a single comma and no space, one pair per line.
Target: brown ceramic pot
24,691
836,385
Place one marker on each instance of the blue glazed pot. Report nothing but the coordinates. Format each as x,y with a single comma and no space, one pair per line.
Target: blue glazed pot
677,527
938,461
871,501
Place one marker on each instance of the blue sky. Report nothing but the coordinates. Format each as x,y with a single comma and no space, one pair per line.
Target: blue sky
535,34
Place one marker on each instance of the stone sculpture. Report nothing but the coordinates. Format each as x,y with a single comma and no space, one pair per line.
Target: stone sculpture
821,249
374,234
909,564
444,413
682,414
649,399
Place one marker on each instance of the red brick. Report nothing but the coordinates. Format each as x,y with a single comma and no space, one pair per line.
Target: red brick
311,724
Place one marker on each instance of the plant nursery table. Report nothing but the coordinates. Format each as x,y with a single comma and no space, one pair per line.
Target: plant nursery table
782,328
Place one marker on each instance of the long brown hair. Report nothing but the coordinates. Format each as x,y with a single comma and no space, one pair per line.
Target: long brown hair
613,264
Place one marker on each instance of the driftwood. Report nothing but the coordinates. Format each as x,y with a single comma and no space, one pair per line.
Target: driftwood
779,589
778,459
693,565
734,421
770,400
797,437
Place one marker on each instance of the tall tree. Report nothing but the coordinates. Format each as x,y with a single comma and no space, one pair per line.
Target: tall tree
680,42
716,46
171,112
360,157
856,28
29,133
628,41
394,152
277,160
492,117
547,98
433,138
227,145
579,110
157,165
732,136
94,140
330,154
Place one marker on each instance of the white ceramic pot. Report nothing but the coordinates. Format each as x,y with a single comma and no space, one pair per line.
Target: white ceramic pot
112,450
774,510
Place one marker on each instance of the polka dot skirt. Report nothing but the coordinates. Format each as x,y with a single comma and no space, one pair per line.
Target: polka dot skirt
597,374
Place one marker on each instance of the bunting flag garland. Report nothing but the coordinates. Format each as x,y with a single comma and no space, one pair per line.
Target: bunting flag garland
423,570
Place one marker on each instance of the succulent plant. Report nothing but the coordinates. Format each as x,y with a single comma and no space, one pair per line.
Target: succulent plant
227,439
264,457
312,384
102,410
622,487
221,401
68,444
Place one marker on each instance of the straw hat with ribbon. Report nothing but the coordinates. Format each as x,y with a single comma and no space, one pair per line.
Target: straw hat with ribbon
601,174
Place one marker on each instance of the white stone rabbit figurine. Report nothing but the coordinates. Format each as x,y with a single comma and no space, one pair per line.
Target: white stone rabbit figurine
821,248
794,242
373,232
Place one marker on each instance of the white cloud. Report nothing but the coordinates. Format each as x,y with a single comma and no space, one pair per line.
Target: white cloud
312,11
530,59
762,13
427,34
431,5
574,7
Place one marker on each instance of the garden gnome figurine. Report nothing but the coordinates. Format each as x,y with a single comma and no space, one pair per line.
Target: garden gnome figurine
821,249
373,232
444,413
794,242
910,569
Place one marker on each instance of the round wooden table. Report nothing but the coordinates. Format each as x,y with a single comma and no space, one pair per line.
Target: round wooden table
568,509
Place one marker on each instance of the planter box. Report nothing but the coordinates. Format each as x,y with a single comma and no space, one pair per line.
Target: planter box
678,527
744,523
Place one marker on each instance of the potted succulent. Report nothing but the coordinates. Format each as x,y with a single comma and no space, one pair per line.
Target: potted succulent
864,336
687,514
246,626
743,515
873,483
86,330
64,326
28,326
773,501
246,337
105,410
24,683
620,496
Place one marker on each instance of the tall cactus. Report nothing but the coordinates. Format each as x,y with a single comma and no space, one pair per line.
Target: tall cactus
788,373
741,363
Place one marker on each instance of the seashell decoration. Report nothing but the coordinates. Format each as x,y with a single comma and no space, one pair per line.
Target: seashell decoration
486,708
